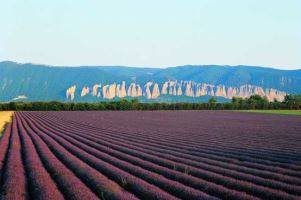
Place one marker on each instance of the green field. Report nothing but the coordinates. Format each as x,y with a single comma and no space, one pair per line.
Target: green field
280,112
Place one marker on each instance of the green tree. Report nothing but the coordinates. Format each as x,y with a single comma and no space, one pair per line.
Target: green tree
211,103
12,105
212,100
237,102
292,101
257,102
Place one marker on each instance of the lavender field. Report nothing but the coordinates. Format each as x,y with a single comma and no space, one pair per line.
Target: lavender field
151,155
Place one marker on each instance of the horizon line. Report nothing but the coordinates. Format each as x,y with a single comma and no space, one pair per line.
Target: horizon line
151,67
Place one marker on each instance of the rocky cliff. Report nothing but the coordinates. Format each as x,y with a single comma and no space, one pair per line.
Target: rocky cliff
70,93
153,90
186,83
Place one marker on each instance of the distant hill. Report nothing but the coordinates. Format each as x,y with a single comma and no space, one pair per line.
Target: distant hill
30,82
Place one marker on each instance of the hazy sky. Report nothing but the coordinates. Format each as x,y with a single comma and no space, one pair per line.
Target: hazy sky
158,33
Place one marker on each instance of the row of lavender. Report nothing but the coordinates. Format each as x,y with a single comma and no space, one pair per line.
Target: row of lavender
252,188
61,155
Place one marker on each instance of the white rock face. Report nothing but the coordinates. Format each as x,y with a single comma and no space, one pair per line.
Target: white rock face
272,94
203,89
95,89
259,91
85,91
245,91
109,91
189,89
156,91
179,91
139,91
121,90
112,91
70,93
164,87
105,89
231,92
198,92
152,90
148,93
134,90
171,88
221,91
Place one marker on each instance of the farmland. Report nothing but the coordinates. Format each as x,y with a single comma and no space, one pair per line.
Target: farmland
151,155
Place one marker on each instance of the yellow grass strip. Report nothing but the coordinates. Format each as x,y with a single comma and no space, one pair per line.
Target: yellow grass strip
5,117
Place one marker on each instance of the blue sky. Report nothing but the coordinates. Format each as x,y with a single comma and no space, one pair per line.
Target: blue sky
156,33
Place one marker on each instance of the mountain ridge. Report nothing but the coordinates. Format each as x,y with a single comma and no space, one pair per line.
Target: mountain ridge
146,67
46,82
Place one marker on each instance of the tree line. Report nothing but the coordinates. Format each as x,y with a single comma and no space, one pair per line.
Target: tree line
253,102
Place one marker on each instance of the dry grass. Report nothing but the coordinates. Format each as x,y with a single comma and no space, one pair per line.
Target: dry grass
5,117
